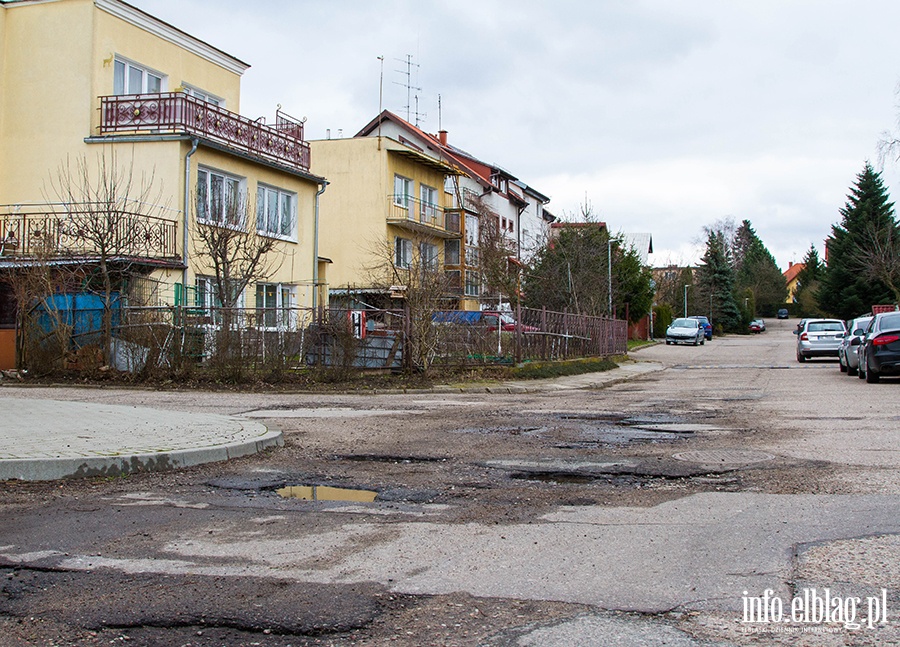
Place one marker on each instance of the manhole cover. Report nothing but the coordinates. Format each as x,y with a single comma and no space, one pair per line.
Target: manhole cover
724,456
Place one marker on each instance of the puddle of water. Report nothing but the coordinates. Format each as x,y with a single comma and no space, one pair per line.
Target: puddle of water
326,493
388,458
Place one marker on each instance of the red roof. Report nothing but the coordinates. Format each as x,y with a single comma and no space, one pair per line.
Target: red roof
791,273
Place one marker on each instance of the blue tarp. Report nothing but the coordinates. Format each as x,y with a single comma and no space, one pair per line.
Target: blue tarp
83,312
457,316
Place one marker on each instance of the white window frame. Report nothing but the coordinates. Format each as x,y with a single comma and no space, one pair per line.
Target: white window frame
428,198
472,226
428,256
277,316
472,251
402,252
283,223
473,283
207,299
403,193
124,84
203,95
450,184
229,210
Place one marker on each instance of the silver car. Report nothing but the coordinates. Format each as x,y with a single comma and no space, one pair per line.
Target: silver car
819,338
847,354
685,331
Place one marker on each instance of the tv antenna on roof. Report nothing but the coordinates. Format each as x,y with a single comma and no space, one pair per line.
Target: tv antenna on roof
410,113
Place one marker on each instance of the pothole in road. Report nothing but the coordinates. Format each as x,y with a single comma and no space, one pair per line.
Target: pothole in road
724,456
326,493
579,430
593,436
510,430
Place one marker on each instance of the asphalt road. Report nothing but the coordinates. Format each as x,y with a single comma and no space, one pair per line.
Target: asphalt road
729,496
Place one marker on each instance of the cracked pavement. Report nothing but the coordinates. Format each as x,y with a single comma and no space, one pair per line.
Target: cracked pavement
641,513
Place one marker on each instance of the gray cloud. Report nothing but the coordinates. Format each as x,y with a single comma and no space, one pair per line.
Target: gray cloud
666,115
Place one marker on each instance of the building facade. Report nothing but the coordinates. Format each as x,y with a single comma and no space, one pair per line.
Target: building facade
492,205
385,214
133,114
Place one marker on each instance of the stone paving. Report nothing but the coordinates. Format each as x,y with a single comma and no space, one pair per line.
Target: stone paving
48,439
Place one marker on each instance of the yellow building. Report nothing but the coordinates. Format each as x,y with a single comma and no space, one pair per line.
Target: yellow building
111,86
385,214
792,280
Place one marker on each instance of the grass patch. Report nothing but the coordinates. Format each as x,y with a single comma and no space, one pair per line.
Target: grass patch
634,344
544,370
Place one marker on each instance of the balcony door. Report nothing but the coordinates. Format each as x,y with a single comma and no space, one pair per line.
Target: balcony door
403,195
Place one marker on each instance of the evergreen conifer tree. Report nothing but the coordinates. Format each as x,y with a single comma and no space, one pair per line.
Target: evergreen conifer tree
808,284
757,272
846,290
716,279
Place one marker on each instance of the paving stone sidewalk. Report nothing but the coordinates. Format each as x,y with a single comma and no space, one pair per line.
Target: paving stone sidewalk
48,439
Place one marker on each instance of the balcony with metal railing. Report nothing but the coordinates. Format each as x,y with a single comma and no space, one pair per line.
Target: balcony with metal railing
86,231
177,113
423,217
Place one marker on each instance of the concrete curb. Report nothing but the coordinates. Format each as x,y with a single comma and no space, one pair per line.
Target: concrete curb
43,440
51,469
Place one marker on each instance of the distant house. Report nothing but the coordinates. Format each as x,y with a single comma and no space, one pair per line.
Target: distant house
385,207
464,194
791,280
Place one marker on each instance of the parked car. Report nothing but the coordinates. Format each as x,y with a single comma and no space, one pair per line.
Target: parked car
685,331
847,355
782,313
707,326
489,319
757,326
879,352
819,338
493,319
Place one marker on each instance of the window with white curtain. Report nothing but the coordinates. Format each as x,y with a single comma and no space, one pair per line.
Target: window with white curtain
276,211
131,78
219,198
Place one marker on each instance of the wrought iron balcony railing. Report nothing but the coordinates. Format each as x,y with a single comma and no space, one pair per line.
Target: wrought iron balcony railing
425,217
85,231
178,113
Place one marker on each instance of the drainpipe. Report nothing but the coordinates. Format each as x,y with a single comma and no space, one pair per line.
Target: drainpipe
187,209
323,185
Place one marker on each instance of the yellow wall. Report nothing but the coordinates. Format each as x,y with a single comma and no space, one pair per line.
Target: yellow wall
296,258
353,229
49,102
114,37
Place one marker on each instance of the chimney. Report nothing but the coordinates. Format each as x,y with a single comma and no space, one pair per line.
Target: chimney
442,137
790,264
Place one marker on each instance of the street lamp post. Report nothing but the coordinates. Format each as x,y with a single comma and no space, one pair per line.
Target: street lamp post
686,286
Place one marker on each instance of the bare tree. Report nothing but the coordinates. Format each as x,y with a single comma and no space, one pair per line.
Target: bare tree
879,256
234,250
103,215
413,266
497,255
237,255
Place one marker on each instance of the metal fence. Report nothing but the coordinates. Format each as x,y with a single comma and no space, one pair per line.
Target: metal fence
254,339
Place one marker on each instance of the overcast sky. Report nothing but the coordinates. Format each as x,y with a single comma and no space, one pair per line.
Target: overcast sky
666,116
